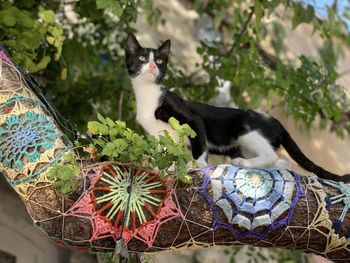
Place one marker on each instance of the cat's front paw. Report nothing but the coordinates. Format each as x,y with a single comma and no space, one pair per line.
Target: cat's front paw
201,163
241,162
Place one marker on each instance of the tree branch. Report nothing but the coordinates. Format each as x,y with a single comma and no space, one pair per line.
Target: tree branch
190,216
120,105
224,206
243,29
110,202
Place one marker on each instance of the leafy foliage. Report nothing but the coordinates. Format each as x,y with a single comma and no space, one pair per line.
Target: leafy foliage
306,88
112,139
65,175
80,63
32,41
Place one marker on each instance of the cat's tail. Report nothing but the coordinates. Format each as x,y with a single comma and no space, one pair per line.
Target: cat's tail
297,155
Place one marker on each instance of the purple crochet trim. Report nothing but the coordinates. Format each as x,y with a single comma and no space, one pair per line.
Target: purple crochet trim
217,223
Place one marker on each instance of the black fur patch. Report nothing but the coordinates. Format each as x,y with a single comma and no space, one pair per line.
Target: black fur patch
133,51
217,126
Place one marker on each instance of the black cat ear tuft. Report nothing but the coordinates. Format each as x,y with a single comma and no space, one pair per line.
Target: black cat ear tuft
131,44
164,49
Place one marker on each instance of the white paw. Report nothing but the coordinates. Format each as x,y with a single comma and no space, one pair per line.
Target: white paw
201,163
282,164
241,162
156,169
237,161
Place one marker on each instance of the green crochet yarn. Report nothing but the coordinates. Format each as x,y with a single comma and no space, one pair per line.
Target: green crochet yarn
118,194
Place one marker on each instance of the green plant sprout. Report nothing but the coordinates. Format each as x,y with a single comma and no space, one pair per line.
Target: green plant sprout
114,141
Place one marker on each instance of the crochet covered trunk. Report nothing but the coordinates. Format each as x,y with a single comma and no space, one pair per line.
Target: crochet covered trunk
225,205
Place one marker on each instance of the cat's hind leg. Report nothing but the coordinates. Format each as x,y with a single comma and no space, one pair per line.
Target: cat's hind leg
259,147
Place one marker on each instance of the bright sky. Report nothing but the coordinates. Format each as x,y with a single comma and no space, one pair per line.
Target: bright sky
320,6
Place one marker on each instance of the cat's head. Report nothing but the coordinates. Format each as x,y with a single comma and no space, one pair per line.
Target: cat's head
148,64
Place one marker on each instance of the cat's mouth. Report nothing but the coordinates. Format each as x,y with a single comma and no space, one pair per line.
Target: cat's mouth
151,72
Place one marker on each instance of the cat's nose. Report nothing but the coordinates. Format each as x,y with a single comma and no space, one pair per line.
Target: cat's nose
152,65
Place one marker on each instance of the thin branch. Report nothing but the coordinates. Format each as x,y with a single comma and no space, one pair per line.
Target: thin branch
120,105
245,26
243,29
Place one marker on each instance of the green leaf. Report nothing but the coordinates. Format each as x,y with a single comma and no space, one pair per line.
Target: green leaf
174,123
101,118
9,21
302,15
217,19
57,185
121,124
115,148
64,173
110,122
47,15
64,74
187,179
188,130
43,63
114,5
95,127
69,157
65,189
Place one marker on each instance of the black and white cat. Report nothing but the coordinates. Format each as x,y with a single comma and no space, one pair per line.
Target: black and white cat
249,137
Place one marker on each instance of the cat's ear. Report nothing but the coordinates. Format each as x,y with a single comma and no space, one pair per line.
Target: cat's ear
131,44
164,49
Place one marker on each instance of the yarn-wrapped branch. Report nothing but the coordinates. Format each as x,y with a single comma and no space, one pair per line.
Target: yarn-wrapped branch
225,205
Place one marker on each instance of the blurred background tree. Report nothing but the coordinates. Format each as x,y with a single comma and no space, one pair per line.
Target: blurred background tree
74,50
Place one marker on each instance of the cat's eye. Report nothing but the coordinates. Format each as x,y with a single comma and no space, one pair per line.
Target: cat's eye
159,61
142,58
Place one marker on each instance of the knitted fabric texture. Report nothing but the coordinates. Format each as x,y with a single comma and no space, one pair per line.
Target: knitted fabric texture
103,205
227,205
30,142
250,198
343,197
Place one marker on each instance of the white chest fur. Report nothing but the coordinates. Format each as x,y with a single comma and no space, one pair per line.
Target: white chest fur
147,101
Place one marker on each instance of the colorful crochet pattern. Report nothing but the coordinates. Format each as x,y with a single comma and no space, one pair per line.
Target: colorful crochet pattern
343,196
113,203
151,201
30,142
250,198
24,138
140,185
104,215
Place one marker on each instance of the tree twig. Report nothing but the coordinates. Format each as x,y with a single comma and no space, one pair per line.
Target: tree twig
120,105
